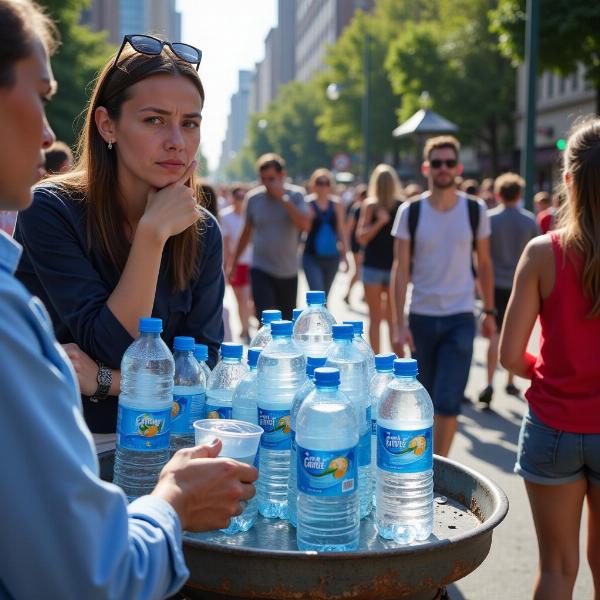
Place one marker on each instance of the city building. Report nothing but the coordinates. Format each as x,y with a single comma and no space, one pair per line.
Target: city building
278,66
237,121
120,17
319,23
560,101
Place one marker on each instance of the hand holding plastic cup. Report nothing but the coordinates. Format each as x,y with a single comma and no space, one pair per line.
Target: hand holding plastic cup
240,441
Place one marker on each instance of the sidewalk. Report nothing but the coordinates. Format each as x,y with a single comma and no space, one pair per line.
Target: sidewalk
487,442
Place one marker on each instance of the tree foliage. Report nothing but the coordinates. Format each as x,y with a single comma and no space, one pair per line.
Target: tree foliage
455,58
76,63
288,128
568,36
340,122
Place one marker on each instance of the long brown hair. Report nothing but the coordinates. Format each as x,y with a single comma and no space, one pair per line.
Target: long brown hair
580,215
94,176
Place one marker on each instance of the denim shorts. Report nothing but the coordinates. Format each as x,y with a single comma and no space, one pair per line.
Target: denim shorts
549,456
374,276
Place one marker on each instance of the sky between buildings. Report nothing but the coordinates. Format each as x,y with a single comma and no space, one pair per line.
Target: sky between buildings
231,35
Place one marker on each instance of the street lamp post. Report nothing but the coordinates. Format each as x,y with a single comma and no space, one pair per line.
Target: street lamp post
366,133
529,130
333,92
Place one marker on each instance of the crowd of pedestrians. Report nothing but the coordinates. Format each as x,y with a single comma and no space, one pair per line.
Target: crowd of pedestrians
126,229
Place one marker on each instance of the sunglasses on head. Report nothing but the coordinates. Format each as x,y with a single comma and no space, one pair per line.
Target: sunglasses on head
436,163
322,182
146,44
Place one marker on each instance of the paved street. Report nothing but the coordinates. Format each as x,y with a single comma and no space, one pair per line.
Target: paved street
487,442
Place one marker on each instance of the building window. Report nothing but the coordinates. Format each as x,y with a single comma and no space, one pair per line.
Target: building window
550,77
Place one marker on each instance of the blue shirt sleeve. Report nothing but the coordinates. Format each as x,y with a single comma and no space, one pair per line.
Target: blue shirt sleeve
64,531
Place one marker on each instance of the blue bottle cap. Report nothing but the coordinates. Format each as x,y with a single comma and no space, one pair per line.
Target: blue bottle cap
358,326
296,313
327,376
384,362
184,343
229,350
313,362
253,354
313,297
281,328
268,316
405,367
201,352
150,325
343,332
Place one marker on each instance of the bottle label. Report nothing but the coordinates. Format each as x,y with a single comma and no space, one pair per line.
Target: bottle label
276,424
373,426
181,412
404,451
327,472
218,412
145,430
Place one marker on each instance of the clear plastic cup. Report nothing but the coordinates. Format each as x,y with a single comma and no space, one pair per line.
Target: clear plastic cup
240,441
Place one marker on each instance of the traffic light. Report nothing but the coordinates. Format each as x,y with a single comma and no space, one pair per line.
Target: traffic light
561,144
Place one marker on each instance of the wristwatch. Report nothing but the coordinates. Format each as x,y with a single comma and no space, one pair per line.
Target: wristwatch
104,379
490,311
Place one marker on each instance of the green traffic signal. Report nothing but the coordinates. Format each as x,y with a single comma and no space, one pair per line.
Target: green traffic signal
561,144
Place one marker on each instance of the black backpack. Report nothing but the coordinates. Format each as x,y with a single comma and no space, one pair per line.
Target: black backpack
414,210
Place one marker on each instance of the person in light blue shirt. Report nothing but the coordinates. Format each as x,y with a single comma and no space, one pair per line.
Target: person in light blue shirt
65,533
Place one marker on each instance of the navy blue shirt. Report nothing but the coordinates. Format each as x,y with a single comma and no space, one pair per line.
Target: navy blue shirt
74,283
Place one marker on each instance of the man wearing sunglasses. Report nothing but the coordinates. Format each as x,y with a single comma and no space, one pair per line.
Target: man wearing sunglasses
435,249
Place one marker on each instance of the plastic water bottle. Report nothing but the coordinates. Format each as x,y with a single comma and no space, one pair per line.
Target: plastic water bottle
245,395
201,355
344,355
327,441
189,394
312,330
281,372
144,414
223,380
295,314
404,510
312,362
384,373
263,335
363,345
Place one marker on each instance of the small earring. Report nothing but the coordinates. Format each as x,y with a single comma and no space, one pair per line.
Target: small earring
110,145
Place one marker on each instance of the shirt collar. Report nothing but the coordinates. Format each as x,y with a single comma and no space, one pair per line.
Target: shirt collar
10,253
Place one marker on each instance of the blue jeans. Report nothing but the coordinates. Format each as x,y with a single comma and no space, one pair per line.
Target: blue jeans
444,352
320,271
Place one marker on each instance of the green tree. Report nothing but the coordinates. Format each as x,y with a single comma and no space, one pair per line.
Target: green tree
80,56
340,124
455,58
568,36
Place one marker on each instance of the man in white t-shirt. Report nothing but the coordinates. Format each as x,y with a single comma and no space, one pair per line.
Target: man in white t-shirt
450,229
232,224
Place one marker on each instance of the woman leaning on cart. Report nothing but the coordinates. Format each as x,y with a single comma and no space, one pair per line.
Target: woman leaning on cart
121,236
65,533
558,279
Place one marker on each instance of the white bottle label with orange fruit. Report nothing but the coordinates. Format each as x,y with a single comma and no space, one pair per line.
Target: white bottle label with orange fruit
327,472
404,450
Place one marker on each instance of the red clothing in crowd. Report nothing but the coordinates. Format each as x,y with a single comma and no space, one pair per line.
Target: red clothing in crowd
565,385
545,220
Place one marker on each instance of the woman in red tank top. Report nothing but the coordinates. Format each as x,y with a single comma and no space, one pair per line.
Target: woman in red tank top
558,279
